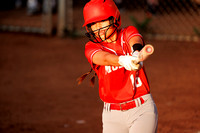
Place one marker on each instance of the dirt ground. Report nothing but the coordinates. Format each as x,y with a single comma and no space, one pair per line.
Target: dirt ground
39,93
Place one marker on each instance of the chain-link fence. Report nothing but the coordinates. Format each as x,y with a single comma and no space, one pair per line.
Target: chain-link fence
158,19
164,19
28,16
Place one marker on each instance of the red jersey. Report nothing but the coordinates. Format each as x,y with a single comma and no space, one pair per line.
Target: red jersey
116,84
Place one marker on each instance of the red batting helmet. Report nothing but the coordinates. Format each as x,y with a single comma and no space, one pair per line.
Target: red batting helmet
98,10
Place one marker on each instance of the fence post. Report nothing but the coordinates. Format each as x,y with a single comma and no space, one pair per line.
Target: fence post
47,16
65,17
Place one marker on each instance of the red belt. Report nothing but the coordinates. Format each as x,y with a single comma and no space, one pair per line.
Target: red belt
127,105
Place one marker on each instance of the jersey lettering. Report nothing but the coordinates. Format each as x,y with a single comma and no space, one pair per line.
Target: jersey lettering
109,69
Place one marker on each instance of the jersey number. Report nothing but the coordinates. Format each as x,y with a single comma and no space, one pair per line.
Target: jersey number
135,82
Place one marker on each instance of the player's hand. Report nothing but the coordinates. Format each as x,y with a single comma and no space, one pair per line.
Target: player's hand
128,62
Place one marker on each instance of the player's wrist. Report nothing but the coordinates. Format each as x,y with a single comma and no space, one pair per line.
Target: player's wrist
137,46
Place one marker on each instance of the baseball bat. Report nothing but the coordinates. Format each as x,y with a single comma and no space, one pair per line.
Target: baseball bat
145,52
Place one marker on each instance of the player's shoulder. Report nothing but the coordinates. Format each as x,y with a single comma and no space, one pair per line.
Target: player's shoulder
130,32
130,29
89,43
92,46
127,31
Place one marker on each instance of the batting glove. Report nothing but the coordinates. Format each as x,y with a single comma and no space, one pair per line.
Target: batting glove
136,56
128,62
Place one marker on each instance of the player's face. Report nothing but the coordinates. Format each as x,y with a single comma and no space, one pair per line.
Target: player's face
102,29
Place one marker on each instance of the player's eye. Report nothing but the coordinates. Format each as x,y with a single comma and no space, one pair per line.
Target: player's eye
105,27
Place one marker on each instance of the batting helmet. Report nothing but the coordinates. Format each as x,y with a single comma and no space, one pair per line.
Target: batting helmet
98,10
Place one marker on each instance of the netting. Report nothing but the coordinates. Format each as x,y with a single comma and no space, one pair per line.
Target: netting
158,19
30,16
164,19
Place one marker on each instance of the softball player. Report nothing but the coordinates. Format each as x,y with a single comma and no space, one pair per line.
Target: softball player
123,85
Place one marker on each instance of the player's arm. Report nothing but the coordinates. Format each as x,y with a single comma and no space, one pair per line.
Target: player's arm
108,59
136,43
142,51
105,58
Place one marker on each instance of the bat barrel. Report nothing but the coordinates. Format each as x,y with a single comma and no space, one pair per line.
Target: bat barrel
149,49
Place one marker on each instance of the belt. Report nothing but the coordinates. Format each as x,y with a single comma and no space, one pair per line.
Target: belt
126,105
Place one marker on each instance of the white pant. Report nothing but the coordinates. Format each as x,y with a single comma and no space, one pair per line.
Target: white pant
141,119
